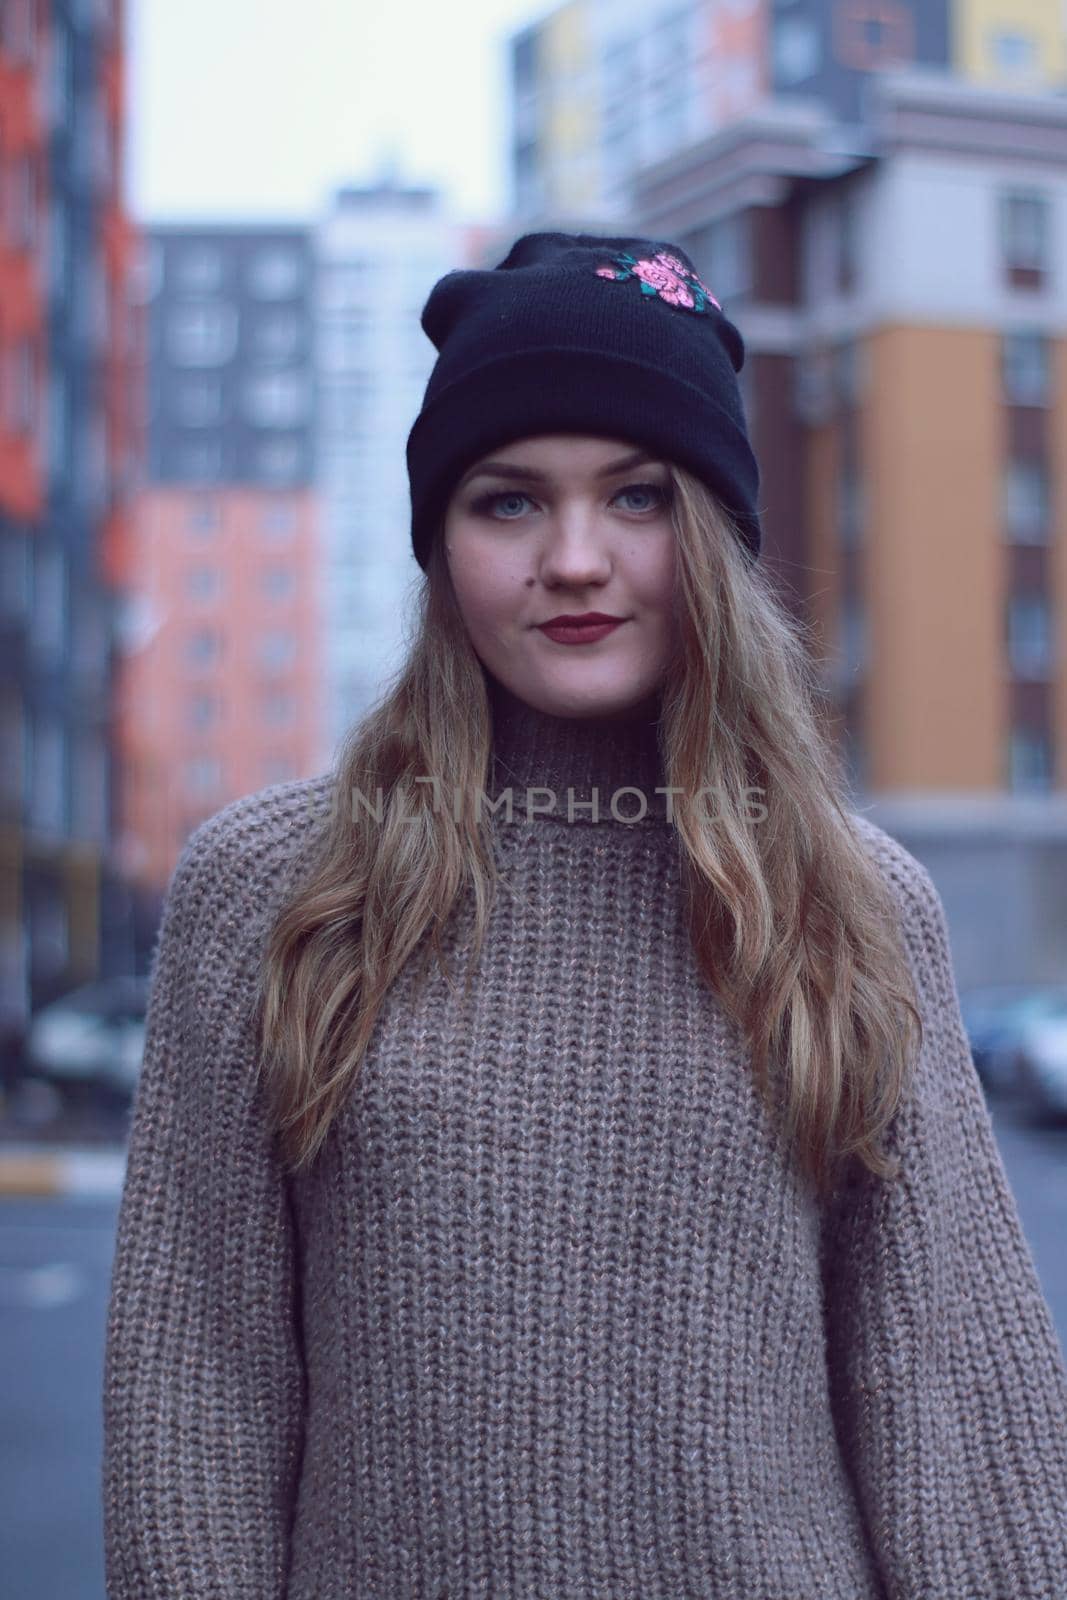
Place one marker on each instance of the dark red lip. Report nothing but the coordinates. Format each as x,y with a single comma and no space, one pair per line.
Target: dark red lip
584,620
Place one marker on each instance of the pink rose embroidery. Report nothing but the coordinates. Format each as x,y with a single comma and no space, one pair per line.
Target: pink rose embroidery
664,275
673,262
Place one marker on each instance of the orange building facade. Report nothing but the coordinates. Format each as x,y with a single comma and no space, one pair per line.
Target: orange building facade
221,682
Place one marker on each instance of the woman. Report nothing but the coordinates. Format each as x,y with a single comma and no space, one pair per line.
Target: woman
669,1254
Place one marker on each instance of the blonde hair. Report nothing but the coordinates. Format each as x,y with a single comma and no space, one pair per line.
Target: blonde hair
790,919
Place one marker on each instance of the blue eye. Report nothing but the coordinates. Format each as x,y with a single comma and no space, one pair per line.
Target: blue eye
661,495
486,505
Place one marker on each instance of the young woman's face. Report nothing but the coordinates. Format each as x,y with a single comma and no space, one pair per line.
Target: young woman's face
557,527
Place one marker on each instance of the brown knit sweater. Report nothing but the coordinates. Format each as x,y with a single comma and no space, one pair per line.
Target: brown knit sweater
554,1316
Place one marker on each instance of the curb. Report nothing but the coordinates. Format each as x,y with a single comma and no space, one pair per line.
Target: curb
54,1170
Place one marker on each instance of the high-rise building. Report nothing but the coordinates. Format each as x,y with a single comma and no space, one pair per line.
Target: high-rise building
68,453
379,250
221,680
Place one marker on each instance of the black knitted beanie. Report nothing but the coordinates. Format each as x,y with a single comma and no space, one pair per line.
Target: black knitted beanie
576,333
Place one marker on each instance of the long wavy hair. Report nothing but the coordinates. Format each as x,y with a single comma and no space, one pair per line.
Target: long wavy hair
791,921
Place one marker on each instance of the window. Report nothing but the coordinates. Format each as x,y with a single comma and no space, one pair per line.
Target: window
279,517
279,336
848,240
198,402
24,197
57,247
203,583
24,391
726,247
59,93
277,650
204,516
280,460
850,370
276,273
88,795
89,648
277,399
58,435
203,647
278,583
202,335
50,600
814,400
198,269
1029,761
203,775
49,928
1024,230
1025,371
203,712
16,573
47,769
17,29
797,52
201,459
1026,502
279,709
1030,636
1013,54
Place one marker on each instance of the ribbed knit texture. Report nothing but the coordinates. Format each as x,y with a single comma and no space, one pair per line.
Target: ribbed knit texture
555,1316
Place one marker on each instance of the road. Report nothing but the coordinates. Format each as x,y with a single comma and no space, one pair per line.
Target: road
55,1262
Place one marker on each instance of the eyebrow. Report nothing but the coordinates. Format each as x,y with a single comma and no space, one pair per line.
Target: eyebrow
521,474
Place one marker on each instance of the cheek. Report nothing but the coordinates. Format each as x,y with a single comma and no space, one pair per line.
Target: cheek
487,588
651,572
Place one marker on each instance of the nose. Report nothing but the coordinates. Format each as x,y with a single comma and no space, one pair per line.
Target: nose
575,551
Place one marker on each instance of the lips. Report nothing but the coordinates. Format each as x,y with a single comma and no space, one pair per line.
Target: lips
581,631
583,619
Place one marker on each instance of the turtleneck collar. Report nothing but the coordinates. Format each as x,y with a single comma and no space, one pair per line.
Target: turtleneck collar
533,750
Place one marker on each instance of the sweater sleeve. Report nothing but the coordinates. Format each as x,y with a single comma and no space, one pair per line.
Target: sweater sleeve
947,1376
203,1375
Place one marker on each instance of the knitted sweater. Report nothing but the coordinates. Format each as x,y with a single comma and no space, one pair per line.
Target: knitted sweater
554,1315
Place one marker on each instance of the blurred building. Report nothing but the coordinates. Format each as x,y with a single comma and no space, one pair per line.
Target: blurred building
69,442
379,250
904,303
602,89
879,202
220,688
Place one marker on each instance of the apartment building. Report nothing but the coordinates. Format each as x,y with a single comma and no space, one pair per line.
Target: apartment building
601,89
905,310
220,689
68,453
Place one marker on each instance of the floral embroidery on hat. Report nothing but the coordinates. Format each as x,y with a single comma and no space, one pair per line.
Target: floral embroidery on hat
663,275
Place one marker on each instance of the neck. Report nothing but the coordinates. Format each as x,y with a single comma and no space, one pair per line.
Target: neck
533,751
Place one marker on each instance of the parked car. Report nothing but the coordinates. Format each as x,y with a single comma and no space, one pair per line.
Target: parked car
92,1037
996,1017
1042,1069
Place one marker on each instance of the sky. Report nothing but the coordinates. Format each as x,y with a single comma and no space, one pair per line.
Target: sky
259,109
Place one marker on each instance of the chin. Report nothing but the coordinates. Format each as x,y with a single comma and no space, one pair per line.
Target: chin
589,700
